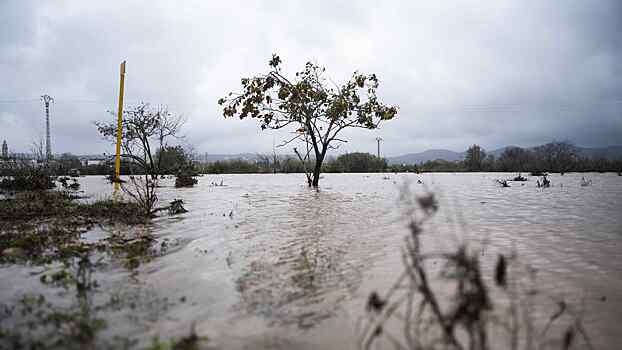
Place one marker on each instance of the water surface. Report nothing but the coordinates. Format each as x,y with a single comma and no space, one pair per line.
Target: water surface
264,262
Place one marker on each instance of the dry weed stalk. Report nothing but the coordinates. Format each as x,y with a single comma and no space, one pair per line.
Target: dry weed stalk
417,313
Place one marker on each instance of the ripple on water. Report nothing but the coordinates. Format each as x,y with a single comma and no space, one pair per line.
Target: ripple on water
265,251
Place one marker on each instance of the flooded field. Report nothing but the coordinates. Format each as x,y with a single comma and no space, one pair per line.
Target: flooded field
264,262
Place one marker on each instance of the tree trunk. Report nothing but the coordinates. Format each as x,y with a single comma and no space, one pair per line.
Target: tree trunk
316,174
316,171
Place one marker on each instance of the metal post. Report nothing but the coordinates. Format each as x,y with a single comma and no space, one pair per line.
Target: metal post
378,139
117,162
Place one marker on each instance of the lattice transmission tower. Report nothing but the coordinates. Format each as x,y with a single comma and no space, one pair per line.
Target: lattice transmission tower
48,142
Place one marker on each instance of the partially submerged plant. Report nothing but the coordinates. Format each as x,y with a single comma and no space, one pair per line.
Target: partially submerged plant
144,131
25,206
43,227
418,313
189,342
43,325
186,176
143,191
177,207
315,109
27,177
77,323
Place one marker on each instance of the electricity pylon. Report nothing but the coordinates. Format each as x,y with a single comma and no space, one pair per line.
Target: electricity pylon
48,143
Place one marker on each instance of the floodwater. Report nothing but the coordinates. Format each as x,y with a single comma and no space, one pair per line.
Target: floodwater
264,262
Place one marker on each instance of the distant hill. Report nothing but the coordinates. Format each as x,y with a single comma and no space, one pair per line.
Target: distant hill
610,153
432,154
499,151
209,158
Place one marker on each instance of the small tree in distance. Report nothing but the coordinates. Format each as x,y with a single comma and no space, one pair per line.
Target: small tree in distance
474,158
316,111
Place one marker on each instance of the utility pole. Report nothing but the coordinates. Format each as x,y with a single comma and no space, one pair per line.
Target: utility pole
5,150
274,158
378,139
117,162
48,143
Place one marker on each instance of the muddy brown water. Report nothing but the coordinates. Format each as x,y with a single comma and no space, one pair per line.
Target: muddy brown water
264,262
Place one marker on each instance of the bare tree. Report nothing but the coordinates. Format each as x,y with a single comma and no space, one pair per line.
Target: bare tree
514,159
315,110
37,148
269,162
144,130
557,156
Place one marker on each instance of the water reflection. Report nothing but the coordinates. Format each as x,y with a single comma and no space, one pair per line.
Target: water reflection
304,278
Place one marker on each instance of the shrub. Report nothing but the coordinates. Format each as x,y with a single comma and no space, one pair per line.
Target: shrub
22,177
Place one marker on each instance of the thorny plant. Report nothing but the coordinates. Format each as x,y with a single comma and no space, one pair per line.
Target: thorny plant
418,313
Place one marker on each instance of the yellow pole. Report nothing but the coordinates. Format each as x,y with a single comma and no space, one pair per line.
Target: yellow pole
117,162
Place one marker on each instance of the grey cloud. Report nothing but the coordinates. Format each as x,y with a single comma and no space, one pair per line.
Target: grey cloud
505,72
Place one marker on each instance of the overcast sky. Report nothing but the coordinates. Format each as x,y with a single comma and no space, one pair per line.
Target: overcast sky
494,73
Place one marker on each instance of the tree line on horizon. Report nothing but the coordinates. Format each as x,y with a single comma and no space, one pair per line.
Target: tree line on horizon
555,157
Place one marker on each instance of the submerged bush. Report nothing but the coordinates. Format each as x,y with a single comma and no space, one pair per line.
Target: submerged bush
185,179
27,178
30,205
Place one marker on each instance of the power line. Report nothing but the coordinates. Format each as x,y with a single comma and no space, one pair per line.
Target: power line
20,101
56,101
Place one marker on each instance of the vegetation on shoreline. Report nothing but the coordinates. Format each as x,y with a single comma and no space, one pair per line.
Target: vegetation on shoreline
347,163
177,161
554,157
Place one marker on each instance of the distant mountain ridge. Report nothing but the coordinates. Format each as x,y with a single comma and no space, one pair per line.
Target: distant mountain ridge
209,158
609,152
422,157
